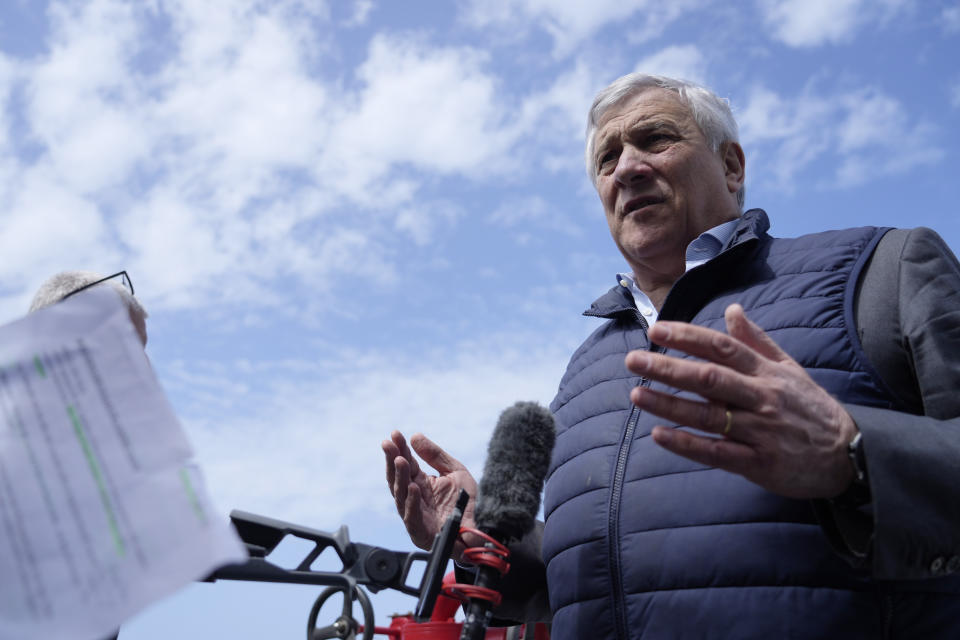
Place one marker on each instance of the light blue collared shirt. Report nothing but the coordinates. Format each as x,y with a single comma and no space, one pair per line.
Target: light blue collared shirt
704,248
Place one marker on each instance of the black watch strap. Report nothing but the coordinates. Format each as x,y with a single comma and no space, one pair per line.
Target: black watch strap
858,493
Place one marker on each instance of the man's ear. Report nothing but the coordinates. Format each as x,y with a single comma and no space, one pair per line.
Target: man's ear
734,165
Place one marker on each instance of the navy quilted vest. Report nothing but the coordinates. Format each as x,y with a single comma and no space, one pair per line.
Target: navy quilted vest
640,542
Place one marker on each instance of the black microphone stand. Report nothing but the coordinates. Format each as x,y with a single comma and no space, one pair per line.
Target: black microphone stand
373,567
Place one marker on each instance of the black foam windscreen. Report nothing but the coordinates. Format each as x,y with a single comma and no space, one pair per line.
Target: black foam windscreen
518,458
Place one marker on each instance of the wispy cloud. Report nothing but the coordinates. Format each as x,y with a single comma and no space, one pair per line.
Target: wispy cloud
677,61
855,135
533,213
361,13
420,220
553,120
810,23
314,431
205,163
7,83
431,109
950,19
569,23
46,224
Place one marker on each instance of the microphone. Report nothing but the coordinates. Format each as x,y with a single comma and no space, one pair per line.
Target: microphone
518,457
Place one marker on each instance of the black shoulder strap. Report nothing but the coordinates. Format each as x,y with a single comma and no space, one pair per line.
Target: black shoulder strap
877,312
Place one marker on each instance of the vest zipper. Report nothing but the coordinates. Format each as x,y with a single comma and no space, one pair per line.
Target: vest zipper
613,521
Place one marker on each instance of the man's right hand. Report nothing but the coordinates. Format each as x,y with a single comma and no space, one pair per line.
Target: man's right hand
424,501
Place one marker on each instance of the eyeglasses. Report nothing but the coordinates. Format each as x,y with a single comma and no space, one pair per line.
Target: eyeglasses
124,281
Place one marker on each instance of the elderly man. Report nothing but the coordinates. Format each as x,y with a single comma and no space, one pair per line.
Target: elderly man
791,474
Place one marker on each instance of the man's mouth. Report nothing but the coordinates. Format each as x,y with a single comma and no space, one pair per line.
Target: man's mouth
639,203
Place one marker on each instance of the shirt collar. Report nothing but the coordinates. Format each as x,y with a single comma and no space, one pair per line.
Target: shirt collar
709,243
704,248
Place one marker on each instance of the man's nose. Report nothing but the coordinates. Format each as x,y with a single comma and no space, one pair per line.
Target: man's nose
631,167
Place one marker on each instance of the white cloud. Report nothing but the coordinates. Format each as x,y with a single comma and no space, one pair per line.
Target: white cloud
862,134
361,13
82,102
228,162
677,61
431,109
950,19
869,120
877,137
421,220
569,22
809,23
7,81
167,160
237,104
553,120
315,428
812,22
792,132
533,212
46,227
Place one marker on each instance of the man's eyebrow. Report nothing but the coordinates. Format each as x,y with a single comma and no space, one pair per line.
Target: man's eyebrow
602,145
640,126
654,125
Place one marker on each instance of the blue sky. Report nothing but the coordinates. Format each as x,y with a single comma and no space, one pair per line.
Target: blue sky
350,217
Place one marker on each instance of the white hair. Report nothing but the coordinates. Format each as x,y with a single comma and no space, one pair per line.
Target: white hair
60,285
711,112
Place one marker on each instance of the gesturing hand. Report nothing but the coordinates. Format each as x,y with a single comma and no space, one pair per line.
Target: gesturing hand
780,429
424,501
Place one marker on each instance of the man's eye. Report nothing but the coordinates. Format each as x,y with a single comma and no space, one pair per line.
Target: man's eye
658,139
606,159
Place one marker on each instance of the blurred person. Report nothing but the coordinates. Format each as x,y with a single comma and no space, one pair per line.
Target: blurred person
791,474
67,283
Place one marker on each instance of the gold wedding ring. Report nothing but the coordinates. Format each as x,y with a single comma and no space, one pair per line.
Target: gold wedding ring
726,427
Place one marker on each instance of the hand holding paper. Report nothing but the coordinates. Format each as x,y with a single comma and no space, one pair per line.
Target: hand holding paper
102,510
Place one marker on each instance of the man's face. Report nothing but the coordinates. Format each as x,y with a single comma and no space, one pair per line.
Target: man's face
660,183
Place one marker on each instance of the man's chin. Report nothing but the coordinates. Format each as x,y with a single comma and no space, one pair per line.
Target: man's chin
645,243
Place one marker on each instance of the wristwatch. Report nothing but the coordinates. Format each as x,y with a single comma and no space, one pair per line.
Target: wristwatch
858,493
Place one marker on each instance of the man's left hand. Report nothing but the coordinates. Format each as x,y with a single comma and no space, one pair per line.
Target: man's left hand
777,427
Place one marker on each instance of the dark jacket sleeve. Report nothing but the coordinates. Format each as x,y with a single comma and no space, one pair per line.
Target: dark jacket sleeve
911,528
